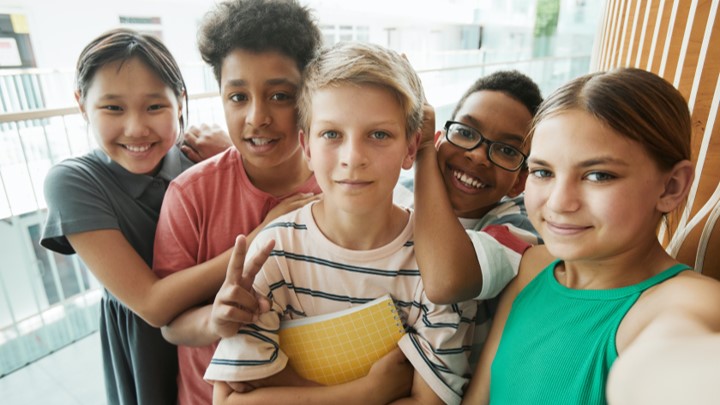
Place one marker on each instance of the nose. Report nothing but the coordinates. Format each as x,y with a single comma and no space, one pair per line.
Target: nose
479,155
563,196
136,126
352,153
258,114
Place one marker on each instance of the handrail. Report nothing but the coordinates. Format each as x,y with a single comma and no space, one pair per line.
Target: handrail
55,112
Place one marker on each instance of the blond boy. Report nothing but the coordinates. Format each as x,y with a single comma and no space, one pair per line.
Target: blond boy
360,112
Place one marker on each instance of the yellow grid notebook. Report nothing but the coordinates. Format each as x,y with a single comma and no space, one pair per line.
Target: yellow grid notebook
342,346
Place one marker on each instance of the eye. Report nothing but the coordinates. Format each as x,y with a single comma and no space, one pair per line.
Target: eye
599,176
379,135
156,107
540,173
237,97
282,97
506,150
111,108
465,132
330,135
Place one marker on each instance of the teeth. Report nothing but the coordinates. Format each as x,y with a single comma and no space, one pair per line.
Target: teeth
468,181
260,141
138,148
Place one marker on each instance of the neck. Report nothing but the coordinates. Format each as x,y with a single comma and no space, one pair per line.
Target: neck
621,270
282,179
360,231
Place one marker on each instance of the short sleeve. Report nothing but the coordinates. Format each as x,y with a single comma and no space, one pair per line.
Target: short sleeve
177,236
498,263
76,203
438,347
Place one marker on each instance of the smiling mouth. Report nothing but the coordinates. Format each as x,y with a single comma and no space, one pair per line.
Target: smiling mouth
566,228
138,148
468,180
259,141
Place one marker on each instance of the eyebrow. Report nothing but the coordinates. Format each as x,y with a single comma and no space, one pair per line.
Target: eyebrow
272,82
322,121
505,136
602,160
111,97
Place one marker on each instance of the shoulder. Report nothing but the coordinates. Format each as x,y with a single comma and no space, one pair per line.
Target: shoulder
533,261
212,170
688,292
290,223
84,174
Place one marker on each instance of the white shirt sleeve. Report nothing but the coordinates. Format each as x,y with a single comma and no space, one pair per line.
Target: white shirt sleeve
499,264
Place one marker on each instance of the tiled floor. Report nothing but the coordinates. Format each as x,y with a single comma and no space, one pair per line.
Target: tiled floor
70,376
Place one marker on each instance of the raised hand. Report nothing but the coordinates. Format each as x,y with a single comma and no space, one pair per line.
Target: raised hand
237,303
204,141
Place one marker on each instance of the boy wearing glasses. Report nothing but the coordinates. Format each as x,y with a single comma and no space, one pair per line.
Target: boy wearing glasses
478,159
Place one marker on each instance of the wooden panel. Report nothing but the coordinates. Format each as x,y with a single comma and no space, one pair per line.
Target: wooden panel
615,30
667,48
685,76
642,32
608,22
673,47
629,26
632,33
661,28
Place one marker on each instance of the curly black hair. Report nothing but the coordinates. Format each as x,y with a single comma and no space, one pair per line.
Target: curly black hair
284,26
511,82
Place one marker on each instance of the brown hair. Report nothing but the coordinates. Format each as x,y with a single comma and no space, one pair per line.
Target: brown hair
363,64
635,103
123,45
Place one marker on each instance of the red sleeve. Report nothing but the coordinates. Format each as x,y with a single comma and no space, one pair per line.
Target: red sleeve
503,235
177,235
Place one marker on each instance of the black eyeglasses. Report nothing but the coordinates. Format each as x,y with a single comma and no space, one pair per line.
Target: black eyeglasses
500,154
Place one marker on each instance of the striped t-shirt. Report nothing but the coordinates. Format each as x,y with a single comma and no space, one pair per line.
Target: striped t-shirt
308,275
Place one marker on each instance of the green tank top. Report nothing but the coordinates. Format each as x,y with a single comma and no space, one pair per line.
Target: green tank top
559,343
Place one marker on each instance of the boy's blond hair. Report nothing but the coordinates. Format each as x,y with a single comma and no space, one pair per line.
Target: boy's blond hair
363,64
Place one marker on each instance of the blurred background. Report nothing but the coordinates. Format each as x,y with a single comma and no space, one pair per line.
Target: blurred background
49,351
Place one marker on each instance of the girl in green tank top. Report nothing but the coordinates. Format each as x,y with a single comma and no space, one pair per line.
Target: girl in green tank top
610,157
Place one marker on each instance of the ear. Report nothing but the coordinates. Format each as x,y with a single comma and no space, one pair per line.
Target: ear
80,105
412,149
519,185
677,186
181,101
305,145
438,137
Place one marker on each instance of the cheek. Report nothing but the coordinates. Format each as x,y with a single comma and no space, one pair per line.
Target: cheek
533,197
168,126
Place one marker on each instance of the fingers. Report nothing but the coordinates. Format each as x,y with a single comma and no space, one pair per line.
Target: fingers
253,266
191,153
237,261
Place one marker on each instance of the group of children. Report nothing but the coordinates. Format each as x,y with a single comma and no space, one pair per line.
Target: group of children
319,138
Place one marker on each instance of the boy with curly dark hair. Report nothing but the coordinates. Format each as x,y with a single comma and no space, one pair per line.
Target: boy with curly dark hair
258,50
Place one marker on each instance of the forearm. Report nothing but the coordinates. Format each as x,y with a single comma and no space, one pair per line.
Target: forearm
191,328
667,373
172,295
355,392
450,270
